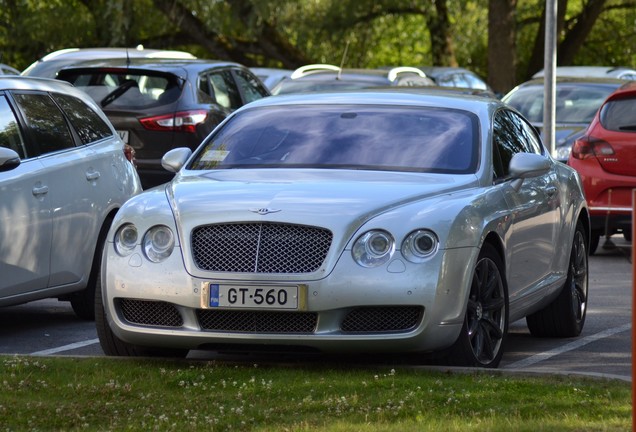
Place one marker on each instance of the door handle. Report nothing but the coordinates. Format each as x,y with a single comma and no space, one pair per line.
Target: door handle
94,175
40,190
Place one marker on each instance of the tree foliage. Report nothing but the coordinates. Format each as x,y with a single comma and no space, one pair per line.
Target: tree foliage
500,39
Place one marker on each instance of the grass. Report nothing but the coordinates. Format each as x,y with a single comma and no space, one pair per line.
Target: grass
105,394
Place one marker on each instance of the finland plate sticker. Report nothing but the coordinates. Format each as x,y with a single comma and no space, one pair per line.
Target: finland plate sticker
214,295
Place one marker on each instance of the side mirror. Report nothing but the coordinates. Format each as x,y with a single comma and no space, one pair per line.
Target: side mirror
175,159
527,165
9,159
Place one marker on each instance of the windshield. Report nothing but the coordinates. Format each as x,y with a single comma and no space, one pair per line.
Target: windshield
619,115
125,89
575,103
388,138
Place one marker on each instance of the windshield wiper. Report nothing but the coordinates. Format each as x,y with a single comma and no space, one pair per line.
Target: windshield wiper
123,88
627,128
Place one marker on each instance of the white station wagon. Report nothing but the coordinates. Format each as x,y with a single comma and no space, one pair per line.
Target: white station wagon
64,173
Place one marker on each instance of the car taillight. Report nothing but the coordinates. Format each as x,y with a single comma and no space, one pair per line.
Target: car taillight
129,153
587,147
183,121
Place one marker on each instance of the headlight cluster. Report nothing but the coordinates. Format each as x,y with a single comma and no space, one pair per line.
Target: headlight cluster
157,243
376,247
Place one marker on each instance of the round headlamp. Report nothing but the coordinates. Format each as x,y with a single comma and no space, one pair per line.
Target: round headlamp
126,239
419,245
158,243
373,248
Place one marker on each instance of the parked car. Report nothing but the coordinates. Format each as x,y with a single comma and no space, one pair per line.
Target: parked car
271,76
63,176
604,157
157,105
5,69
577,99
592,72
325,77
376,222
50,64
456,77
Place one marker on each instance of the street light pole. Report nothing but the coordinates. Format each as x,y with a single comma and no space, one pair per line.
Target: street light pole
549,68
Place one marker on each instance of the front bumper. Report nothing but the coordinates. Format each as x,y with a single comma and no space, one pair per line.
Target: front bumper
400,307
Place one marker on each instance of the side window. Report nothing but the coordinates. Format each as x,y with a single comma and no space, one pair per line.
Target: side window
46,123
506,143
89,125
249,85
225,91
512,134
10,136
527,134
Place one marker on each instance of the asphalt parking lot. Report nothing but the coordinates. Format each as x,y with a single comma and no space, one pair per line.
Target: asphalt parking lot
49,327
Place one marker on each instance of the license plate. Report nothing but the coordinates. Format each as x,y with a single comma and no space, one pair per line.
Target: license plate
123,135
264,297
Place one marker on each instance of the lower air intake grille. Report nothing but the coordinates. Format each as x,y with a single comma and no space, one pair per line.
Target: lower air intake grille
150,313
257,322
382,319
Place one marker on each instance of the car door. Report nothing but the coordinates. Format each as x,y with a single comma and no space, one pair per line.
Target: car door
249,86
535,208
25,214
69,173
222,88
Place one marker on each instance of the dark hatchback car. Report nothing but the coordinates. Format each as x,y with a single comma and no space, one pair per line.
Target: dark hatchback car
159,104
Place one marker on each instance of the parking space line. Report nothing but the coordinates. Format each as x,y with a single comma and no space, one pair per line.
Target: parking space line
65,347
565,348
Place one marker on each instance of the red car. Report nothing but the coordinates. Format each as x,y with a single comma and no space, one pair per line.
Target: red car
605,157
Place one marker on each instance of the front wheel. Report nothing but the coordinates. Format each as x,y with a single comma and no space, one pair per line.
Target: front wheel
565,316
481,340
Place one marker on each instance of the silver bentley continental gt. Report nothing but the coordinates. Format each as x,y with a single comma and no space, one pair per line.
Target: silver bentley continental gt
366,222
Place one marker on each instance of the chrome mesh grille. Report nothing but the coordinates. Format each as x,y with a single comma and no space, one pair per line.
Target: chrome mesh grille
151,313
260,248
257,321
382,319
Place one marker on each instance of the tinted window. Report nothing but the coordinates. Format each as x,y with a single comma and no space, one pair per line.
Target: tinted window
347,137
89,125
512,134
619,115
224,89
10,136
125,89
45,121
249,85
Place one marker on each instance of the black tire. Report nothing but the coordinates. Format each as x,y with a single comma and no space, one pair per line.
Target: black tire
483,335
83,302
565,316
627,235
113,346
595,239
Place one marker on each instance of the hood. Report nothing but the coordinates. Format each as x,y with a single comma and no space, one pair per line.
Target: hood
327,198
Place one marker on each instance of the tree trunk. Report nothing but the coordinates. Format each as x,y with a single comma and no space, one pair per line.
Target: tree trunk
502,61
575,37
441,38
